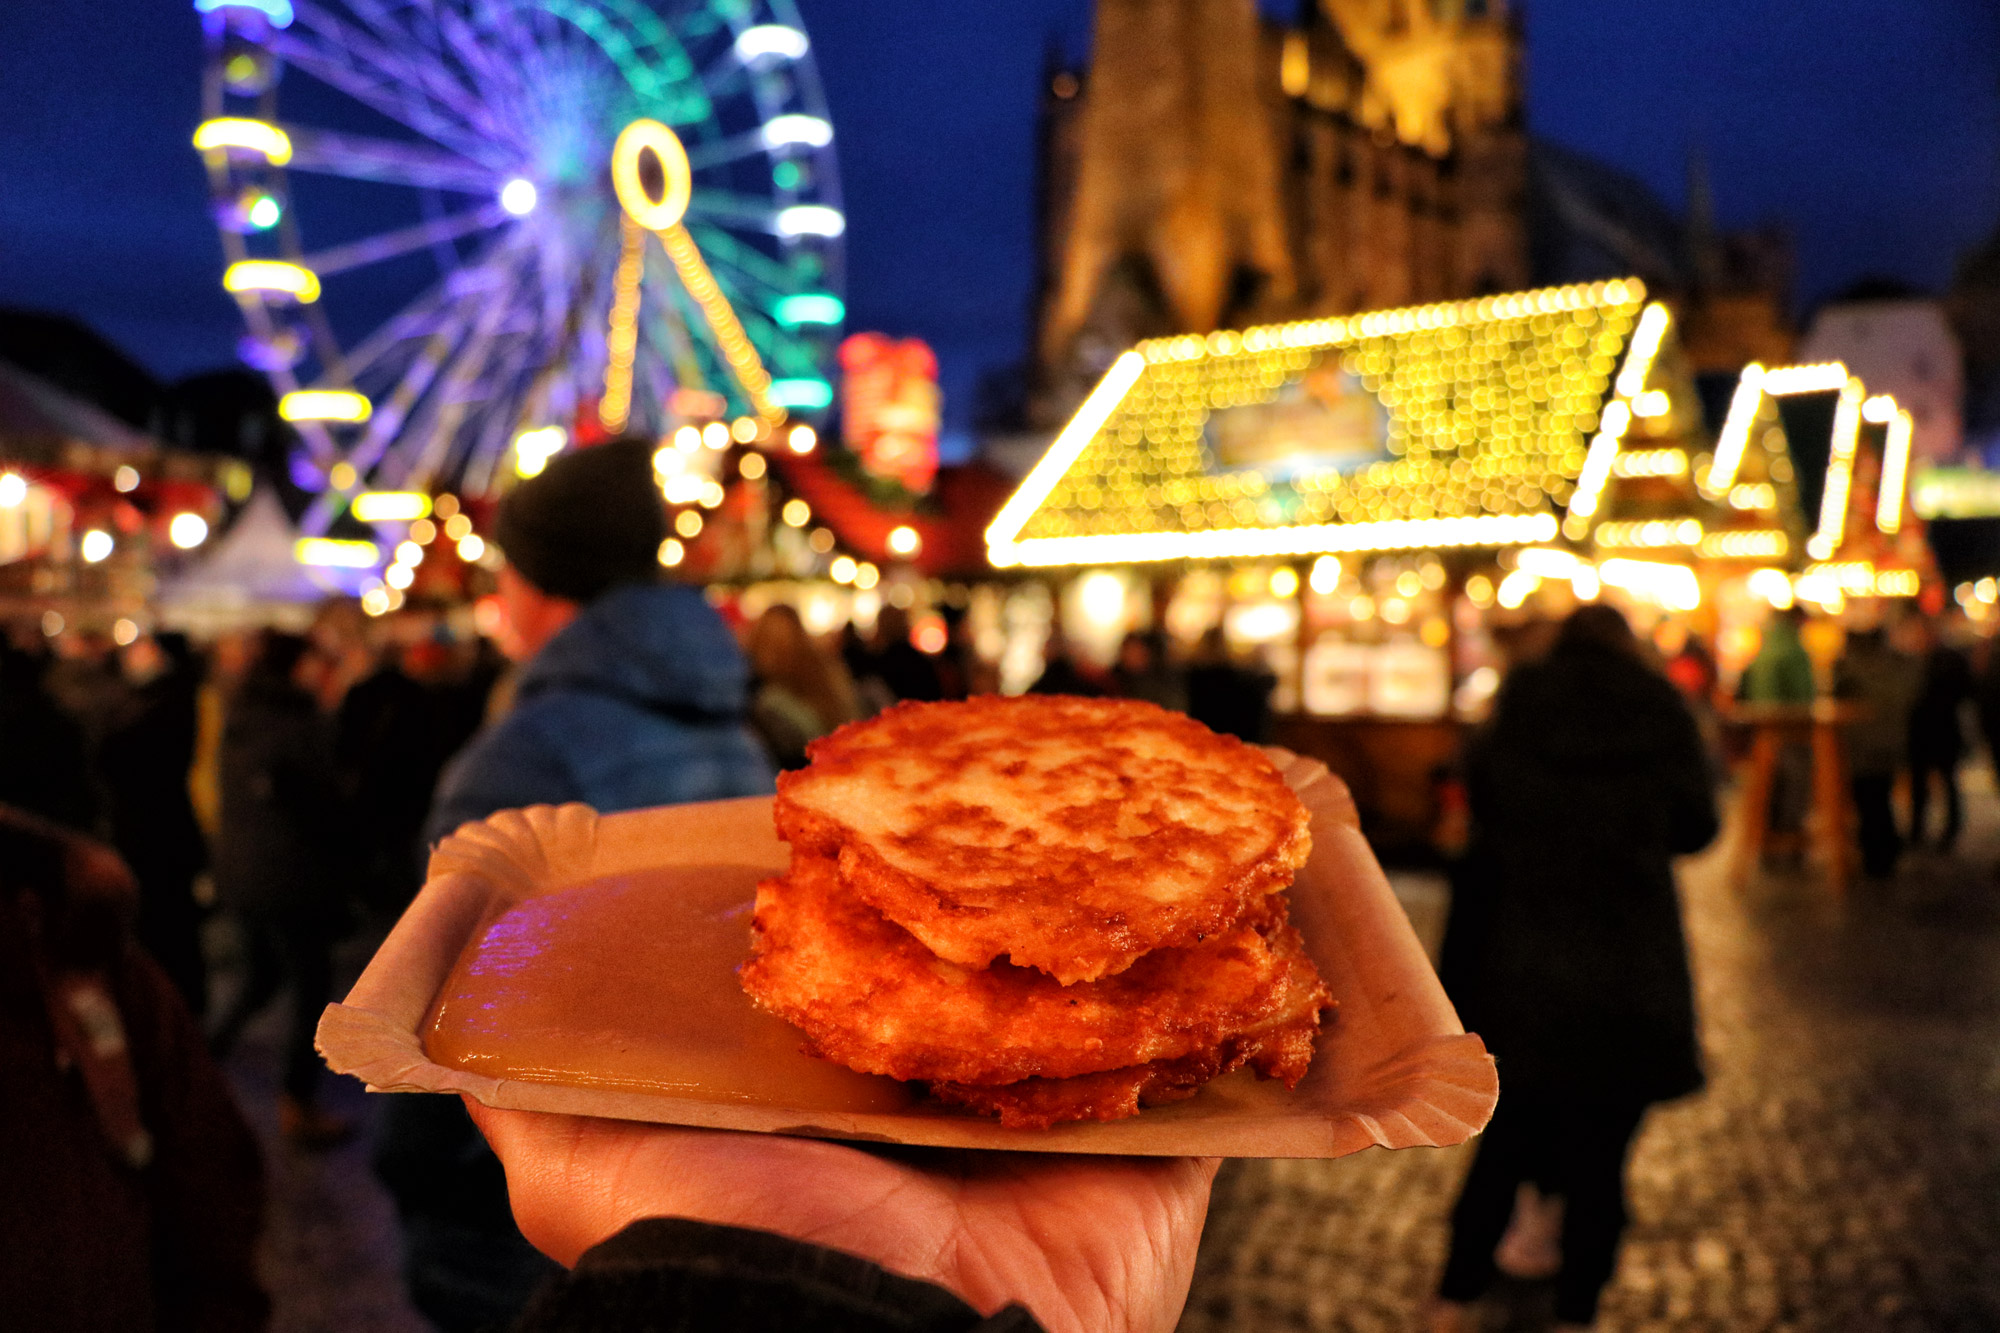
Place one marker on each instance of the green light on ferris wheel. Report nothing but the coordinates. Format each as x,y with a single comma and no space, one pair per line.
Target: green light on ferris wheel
809,308
805,395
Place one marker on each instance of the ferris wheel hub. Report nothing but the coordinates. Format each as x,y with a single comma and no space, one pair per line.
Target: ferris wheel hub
519,196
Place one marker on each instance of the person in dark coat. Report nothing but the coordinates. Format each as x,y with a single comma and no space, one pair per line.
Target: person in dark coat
1226,695
1564,949
281,865
1061,673
1937,737
906,671
1143,671
134,1192
143,765
1884,682
394,731
44,754
631,693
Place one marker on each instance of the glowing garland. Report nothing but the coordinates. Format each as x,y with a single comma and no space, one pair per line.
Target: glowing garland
1487,401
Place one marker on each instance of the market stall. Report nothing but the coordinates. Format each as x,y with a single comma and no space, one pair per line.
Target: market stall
1335,496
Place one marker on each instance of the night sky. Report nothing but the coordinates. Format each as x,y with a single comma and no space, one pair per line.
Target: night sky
1871,128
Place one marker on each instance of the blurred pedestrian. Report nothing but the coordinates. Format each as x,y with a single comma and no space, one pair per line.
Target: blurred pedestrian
1226,694
799,691
962,671
1781,675
1564,948
134,1191
1691,667
143,766
281,866
1936,733
1061,672
44,757
1143,671
228,661
1884,682
905,670
631,692
396,728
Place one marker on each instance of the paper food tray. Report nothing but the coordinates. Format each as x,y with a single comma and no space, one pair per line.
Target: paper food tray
1393,1068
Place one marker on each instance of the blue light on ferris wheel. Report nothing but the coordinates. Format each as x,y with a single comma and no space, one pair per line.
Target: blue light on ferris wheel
278,11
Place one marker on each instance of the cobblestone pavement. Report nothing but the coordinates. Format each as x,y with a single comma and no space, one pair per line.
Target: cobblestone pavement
1841,1172
330,1257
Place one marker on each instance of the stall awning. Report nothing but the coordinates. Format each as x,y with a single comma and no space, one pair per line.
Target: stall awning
949,526
1471,423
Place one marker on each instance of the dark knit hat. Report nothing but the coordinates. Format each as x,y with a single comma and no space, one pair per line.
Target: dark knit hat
593,519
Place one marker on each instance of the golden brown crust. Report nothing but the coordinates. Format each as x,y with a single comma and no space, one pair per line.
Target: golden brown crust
870,996
1070,835
1115,1094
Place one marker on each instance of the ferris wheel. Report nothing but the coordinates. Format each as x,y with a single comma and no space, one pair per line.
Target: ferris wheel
514,155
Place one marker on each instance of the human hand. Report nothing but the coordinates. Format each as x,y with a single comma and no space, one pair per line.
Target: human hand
1097,1244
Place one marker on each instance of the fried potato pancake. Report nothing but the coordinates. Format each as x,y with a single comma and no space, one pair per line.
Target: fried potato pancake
1070,835
1283,1053
869,995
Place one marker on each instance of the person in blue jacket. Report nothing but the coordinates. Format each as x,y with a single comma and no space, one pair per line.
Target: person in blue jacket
631,692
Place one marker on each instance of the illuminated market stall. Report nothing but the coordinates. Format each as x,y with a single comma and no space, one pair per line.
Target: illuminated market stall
1337,494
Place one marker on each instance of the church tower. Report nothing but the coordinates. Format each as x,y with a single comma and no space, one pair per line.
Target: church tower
1175,221
1228,171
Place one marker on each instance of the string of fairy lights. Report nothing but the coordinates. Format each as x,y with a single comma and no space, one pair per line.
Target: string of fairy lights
1497,416
1488,406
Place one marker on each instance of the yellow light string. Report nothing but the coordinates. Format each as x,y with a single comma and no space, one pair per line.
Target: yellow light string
621,339
1839,474
737,349
1895,473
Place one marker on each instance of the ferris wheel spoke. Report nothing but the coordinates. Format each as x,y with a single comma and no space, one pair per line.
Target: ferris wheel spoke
441,318
392,413
722,152
387,50
749,263
390,244
394,97
727,208
501,75
447,404
422,315
359,157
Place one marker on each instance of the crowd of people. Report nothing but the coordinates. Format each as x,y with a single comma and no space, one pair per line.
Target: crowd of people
1917,687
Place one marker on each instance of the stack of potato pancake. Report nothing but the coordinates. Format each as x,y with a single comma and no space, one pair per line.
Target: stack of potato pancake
1047,908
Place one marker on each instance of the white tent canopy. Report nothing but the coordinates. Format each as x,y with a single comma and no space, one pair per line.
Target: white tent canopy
250,576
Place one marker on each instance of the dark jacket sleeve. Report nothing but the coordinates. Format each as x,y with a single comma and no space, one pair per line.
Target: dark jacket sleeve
669,1273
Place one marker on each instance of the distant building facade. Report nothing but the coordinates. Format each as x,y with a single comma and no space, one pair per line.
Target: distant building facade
1904,348
1214,170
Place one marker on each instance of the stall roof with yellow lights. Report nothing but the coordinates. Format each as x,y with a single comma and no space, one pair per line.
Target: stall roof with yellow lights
1862,542
1471,423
